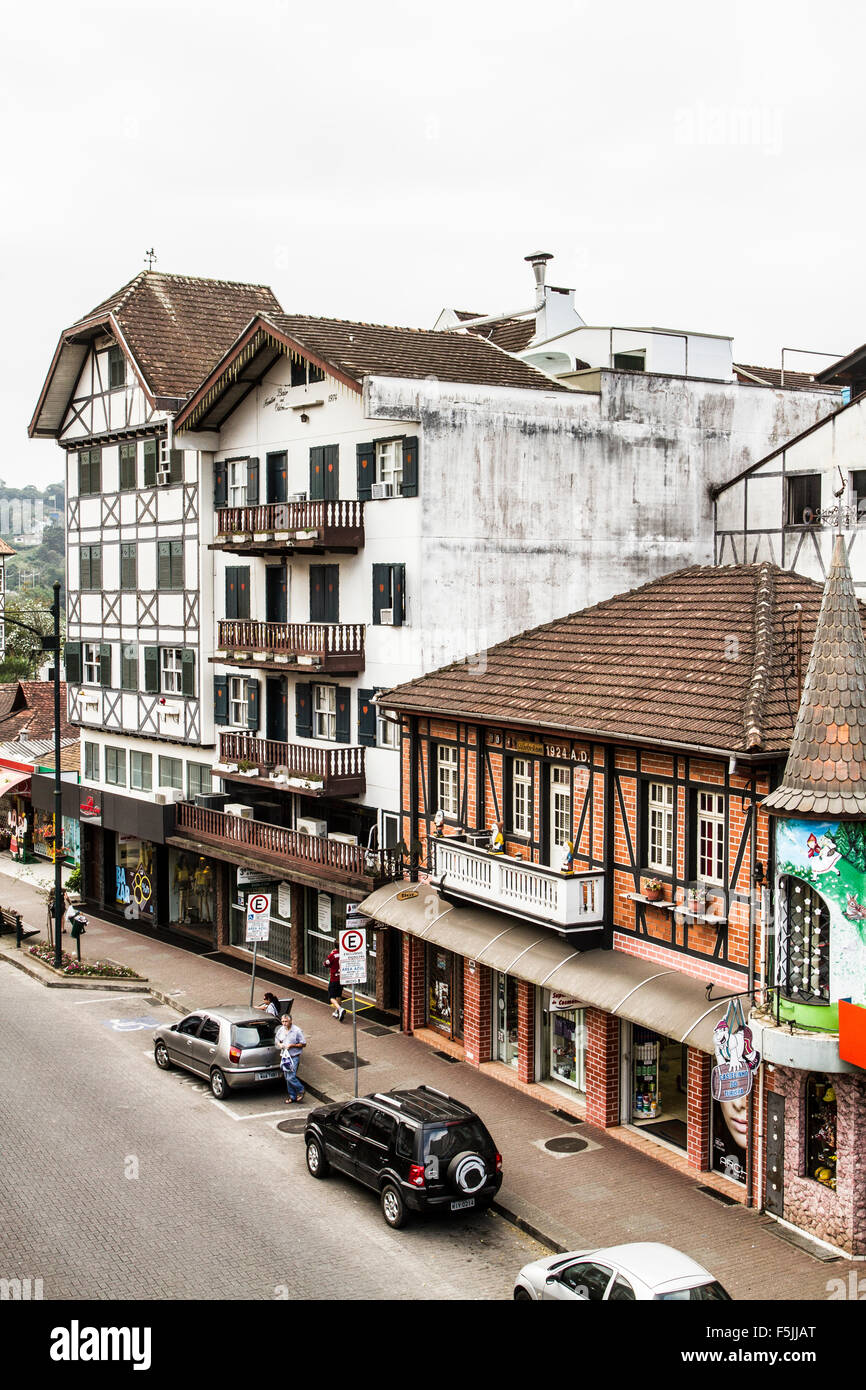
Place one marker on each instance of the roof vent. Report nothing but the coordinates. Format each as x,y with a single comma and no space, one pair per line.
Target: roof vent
538,260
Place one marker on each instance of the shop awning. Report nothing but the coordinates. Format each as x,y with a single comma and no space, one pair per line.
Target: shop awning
667,1001
12,779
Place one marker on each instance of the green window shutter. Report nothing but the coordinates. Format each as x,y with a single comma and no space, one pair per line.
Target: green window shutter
344,713
220,700
398,595
129,667
410,467
366,471
175,465
304,710
95,470
231,591
96,567
84,566
151,462
243,591
317,593
72,657
317,473
332,593
163,569
105,663
381,590
252,689
220,484
128,565
177,559
187,667
83,473
331,471
366,719
127,467
151,670
252,482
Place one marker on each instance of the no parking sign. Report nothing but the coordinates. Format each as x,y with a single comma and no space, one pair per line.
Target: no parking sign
258,916
353,954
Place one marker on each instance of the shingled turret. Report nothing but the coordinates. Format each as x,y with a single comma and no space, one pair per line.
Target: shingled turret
826,770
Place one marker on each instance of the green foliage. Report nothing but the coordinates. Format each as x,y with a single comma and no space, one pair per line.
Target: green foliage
73,883
851,844
24,654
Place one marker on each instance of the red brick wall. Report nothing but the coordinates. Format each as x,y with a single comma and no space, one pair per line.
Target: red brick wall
602,1068
525,1031
698,1107
476,1012
414,982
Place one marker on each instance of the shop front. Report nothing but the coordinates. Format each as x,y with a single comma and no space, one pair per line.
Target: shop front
563,1049
244,884
657,1086
444,992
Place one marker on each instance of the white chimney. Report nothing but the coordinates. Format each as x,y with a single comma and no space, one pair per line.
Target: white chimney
555,313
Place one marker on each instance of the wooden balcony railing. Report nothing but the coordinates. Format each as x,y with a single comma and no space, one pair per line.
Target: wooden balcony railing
331,646
286,848
337,525
341,771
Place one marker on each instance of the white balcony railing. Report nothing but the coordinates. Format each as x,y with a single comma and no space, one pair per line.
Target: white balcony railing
567,902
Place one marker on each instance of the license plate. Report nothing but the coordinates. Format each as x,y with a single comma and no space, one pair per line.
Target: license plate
267,1075
461,1206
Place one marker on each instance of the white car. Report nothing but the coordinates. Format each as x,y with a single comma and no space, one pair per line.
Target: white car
620,1274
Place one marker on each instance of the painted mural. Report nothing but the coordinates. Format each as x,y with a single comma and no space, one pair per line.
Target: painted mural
831,857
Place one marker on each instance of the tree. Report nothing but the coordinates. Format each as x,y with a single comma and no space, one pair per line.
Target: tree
24,654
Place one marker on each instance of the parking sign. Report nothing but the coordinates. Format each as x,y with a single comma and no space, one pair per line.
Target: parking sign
353,956
258,916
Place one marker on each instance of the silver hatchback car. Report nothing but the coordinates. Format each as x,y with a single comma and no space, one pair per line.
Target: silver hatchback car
230,1046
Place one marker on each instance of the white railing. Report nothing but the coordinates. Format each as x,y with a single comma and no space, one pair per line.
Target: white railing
565,901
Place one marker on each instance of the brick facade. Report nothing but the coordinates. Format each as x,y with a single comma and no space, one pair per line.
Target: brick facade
525,1031
602,1068
700,1066
476,1012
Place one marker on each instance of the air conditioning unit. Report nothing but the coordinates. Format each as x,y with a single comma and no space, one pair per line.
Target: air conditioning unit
211,801
297,497
170,797
306,825
237,808
386,617
382,490
343,839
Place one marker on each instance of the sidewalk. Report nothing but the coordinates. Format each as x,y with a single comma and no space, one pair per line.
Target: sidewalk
604,1193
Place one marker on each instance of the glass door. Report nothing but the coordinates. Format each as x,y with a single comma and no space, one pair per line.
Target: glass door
505,1019
558,815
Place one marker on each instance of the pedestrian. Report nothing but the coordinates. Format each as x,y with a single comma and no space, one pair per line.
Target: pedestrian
271,1005
292,1042
335,986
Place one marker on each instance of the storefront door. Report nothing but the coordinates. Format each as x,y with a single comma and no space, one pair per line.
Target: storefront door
444,992
567,1034
505,1034
658,1086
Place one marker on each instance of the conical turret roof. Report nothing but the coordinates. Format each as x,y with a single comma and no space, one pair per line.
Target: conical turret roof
826,770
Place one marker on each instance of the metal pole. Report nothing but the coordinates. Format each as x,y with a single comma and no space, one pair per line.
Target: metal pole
253,976
355,1037
58,789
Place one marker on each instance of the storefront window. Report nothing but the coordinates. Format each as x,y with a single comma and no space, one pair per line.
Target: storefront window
505,1019
135,885
278,946
445,992
567,1042
659,1081
821,1130
191,894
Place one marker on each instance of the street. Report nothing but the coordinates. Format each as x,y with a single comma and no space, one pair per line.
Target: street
123,1182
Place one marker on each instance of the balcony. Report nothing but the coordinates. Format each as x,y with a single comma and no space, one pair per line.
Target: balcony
275,528
258,842
337,647
567,902
297,767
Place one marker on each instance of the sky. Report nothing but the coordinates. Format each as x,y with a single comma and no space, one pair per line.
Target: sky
690,166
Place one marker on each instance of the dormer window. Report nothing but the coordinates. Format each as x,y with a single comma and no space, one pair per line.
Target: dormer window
116,369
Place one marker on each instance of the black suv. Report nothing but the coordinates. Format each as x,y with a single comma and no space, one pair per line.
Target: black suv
419,1149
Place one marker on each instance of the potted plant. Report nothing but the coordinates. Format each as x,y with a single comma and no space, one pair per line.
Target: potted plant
653,889
696,899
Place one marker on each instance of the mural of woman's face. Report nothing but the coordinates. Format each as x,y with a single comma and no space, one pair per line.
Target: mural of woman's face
736,1113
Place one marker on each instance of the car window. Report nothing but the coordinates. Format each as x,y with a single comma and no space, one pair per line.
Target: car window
354,1118
190,1025
444,1141
622,1291
704,1293
210,1031
406,1141
588,1280
382,1127
259,1032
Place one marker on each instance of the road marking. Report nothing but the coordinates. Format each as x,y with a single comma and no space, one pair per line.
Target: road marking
130,1025
108,998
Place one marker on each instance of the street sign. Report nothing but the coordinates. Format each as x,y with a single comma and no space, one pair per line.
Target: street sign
258,916
353,956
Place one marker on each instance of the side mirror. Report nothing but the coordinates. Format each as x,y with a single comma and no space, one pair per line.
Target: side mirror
174,1027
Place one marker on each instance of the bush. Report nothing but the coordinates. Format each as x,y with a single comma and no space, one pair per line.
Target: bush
73,883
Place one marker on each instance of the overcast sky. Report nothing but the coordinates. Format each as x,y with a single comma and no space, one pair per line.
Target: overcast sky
690,166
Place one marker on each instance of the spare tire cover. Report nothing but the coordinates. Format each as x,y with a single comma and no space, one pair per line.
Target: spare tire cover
467,1172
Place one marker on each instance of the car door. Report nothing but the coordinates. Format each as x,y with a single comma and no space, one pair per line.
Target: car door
203,1046
179,1040
584,1282
346,1129
373,1148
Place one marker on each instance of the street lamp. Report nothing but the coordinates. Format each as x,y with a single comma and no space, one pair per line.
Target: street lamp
52,644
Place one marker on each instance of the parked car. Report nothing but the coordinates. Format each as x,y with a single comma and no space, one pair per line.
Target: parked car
632,1273
230,1046
420,1149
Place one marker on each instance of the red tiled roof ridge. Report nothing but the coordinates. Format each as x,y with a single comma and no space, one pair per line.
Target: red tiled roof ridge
762,657
116,301
362,323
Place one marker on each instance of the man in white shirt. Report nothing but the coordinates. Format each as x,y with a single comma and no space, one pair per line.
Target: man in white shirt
292,1042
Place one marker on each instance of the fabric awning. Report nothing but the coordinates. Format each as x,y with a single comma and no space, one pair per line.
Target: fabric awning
12,779
667,1001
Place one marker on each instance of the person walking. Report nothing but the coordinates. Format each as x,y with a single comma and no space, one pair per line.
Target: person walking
335,985
292,1042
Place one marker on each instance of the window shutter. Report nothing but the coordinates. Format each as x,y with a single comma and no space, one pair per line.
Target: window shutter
151,455
410,467
96,567
304,710
72,657
83,474
231,591
129,666
151,670
366,719
220,700
105,663
317,593
96,470
252,482
344,713
317,473
331,471
398,592
163,571
187,667
243,591
332,593
220,485
366,471
252,688
381,590
175,465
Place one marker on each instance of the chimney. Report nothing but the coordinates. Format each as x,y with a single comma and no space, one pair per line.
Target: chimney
555,313
538,260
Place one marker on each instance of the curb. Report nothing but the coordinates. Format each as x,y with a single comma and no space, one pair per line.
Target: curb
528,1229
114,986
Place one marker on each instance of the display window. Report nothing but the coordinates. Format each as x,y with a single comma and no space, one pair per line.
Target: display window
278,946
659,1086
445,992
191,894
135,885
505,1019
567,1043
821,1130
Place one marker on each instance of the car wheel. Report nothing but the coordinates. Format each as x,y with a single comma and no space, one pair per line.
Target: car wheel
317,1163
393,1207
218,1084
521,1296
161,1057
467,1173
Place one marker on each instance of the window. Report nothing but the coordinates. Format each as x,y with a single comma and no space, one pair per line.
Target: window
382,1128
115,767
660,827
198,780
170,565
560,807
804,942
89,471
90,562
447,799
622,1291
92,663
588,1281
237,700
141,772
630,361
171,670
803,499
129,666
821,1130
857,492
389,595
237,480
129,565
325,712
210,1031
521,797
116,368
237,591
387,730
127,467
171,773
389,464
91,762
711,837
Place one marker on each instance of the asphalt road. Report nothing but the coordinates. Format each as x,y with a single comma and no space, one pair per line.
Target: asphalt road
123,1182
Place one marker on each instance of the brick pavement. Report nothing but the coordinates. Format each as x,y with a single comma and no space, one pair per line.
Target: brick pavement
609,1193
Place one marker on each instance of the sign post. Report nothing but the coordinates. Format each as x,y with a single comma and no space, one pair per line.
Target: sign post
353,967
258,929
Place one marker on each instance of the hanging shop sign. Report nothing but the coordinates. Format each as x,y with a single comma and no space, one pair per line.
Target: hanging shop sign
736,1057
560,1003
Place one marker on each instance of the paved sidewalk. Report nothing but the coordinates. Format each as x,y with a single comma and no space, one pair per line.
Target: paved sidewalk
607,1193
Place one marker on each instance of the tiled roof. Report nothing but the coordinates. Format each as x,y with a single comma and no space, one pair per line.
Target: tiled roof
29,713
704,658
772,376
6,549
369,349
512,335
826,770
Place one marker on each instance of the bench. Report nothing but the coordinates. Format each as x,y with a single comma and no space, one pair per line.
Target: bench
11,921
